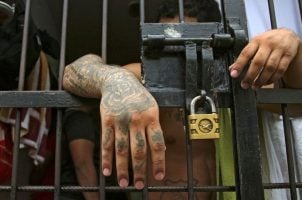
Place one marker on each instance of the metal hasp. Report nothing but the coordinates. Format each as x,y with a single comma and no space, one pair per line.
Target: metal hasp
168,56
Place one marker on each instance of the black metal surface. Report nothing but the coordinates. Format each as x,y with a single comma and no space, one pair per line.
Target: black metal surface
245,116
56,99
248,143
289,96
191,91
289,152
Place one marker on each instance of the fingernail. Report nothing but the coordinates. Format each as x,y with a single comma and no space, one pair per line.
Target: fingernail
106,172
245,85
231,66
234,73
139,185
123,183
159,176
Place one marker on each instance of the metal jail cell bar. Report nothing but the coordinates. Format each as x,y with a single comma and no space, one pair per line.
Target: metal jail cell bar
16,99
288,135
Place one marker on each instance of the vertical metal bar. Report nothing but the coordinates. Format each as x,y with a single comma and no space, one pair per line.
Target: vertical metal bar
57,183
57,178
142,12
246,126
191,92
248,144
24,46
224,20
181,11
300,8
63,43
289,152
13,194
104,30
102,183
272,14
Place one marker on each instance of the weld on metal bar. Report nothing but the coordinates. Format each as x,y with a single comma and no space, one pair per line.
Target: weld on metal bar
150,188
132,188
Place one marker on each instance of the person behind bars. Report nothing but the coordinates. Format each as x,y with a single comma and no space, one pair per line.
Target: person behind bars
130,121
80,78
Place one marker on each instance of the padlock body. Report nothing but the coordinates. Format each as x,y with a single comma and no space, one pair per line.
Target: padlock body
203,126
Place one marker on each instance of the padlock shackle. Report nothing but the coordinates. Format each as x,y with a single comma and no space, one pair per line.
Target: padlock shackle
197,98
213,107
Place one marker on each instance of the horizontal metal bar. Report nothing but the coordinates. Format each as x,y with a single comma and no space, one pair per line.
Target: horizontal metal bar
150,188
128,189
289,96
280,185
166,97
56,99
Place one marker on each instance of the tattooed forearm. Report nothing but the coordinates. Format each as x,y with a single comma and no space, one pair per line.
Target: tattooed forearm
85,76
121,91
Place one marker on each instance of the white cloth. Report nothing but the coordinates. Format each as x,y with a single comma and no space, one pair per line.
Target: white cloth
258,18
274,144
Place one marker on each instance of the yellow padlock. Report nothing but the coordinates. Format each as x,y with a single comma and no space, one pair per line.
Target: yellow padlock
203,126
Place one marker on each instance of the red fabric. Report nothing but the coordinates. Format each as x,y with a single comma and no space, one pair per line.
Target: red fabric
5,154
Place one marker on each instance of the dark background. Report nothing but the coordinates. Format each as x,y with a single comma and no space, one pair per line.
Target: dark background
84,27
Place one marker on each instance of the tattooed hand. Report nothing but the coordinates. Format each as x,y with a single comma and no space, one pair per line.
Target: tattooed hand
129,114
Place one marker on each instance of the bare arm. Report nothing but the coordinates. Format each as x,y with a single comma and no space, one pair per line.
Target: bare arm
82,155
129,117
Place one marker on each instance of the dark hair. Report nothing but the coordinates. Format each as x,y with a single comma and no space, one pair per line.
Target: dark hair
203,10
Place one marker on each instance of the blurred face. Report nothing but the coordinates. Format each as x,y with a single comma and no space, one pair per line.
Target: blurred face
176,19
